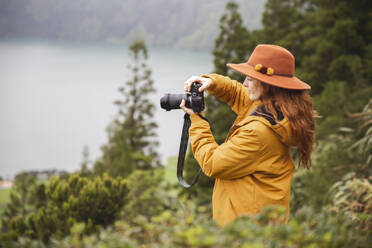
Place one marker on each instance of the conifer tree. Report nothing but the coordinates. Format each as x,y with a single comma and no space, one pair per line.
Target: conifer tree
84,170
20,196
283,24
232,45
337,60
131,136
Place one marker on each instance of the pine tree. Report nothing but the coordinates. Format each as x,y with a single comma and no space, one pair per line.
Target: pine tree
337,60
20,196
283,24
233,45
131,136
84,170
21,204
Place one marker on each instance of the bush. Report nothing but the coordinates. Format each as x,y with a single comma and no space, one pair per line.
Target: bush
146,196
192,227
62,203
353,196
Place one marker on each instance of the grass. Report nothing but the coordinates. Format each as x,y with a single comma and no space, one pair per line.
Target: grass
4,198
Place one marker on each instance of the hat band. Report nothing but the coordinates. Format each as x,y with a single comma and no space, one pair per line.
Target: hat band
268,70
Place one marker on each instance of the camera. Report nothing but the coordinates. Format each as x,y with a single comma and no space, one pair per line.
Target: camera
194,100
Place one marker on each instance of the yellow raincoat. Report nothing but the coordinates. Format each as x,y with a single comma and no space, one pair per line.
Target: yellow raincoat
253,167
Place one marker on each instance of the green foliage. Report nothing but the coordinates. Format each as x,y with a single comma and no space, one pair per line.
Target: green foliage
364,144
335,46
20,196
331,104
56,207
331,41
191,227
281,21
131,142
329,164
334,105
144,197
353,196
340,153
232,43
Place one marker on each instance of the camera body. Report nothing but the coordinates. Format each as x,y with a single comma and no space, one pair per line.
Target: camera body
194,100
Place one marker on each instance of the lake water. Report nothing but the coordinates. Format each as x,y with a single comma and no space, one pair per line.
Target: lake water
55,98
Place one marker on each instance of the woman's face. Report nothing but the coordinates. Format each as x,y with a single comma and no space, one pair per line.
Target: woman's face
254,88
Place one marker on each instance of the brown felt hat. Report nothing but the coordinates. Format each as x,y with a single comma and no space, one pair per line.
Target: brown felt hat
272,65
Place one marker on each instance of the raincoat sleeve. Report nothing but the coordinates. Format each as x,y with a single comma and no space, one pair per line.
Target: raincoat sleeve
229,91
236,158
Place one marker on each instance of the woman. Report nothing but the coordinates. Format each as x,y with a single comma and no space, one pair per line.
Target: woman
253,167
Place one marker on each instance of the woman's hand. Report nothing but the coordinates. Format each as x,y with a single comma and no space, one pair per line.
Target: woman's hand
205,82
188,111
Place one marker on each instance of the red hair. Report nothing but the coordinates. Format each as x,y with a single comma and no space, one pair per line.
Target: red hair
297,107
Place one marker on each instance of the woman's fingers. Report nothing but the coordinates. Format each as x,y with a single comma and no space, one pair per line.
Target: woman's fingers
186,110
189,82
182,105
205,85
204,81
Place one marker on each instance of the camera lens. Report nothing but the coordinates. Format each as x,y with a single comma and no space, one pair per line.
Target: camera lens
173,101
164,102
194,99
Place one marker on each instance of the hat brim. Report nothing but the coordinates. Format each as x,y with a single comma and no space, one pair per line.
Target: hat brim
292,83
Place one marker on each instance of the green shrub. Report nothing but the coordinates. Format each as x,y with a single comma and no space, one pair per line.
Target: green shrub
147,195
353,196
58,206
192,227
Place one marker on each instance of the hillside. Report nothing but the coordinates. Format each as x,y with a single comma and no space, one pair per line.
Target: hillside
175,23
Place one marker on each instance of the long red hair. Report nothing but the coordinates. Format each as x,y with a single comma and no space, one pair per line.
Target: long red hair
297,107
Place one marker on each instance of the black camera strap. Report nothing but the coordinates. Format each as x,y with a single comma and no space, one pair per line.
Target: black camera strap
182,153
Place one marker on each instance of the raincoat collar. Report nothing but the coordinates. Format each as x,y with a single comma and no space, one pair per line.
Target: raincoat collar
281,128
